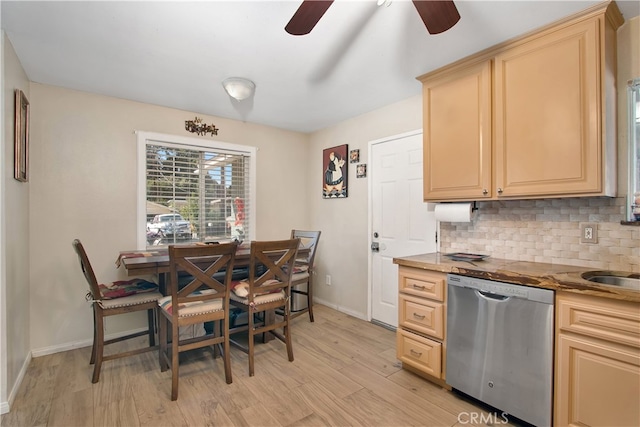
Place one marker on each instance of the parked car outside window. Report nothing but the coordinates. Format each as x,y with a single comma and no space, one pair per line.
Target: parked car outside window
169,226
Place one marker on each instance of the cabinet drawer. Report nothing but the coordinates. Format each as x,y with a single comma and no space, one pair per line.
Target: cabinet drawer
421,283
419,352
421,315
611,320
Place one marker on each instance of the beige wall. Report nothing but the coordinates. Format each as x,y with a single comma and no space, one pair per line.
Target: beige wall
14,237
343,251
83,185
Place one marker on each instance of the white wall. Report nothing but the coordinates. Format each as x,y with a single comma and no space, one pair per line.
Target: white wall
343,250
14,239
83,185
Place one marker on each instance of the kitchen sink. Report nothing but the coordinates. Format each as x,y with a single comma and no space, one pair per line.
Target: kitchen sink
624,280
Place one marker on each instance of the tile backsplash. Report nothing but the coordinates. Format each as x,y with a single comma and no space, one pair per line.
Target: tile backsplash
549,231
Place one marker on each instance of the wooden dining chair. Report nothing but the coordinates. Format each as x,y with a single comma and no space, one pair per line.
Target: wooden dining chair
266,289
302,279
112,299
205,298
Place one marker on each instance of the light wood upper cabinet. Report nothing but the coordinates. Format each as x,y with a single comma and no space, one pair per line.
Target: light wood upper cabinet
457,134
547,115
531,118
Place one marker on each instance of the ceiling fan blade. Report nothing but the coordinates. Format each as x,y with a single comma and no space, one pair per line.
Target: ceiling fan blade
307,16
438,15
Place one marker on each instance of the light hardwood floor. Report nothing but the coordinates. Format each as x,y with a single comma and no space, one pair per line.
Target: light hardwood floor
345,373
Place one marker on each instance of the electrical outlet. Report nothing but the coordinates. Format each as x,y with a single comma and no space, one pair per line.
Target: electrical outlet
327,280
588,233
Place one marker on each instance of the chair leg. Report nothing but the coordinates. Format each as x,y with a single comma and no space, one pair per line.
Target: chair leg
287,334
99,345
162,336
95,337
227,351
250,341
175,360
310,297
152,327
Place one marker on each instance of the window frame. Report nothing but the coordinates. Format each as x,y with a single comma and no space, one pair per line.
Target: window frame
144,138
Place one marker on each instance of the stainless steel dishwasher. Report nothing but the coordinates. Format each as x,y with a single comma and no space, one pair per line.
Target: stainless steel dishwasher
500,345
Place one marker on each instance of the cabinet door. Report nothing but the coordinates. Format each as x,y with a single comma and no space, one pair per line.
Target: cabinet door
597,383
457,134
548,114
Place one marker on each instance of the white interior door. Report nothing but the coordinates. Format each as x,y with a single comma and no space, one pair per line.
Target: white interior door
401,223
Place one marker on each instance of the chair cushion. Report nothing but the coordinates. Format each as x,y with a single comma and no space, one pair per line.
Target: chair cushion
192,308
295,277
260,299
125,288
130,300
241,288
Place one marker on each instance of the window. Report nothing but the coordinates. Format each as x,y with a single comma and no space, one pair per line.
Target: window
193,190
634,150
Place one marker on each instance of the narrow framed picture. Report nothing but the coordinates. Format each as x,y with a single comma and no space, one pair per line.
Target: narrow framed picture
21,143
335,172
354,156
361,170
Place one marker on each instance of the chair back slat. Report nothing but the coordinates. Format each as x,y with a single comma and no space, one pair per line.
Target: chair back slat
207,265
87,270
276,258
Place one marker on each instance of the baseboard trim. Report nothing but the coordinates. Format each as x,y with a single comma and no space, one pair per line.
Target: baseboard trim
336,307
5,407
44,351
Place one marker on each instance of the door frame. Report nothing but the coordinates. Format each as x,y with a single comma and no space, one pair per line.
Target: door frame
370,145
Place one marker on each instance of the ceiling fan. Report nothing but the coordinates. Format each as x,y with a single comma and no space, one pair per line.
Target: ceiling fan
438,15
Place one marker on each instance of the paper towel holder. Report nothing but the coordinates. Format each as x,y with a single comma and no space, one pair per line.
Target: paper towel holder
474,207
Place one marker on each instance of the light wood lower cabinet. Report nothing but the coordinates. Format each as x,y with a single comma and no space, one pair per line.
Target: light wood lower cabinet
597,362
421,322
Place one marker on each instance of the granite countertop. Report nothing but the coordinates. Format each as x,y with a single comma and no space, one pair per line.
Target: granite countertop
542,275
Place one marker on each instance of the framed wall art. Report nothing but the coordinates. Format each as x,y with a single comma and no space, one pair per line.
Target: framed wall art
335,172
354,156
21,143
361,170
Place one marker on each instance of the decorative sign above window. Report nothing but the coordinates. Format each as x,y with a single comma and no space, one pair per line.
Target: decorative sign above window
196,126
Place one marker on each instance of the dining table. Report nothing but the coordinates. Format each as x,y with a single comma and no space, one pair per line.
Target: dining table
156,262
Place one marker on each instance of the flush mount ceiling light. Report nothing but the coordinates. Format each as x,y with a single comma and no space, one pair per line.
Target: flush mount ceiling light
239,88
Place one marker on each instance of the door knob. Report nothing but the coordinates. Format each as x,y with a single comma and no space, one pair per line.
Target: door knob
375,247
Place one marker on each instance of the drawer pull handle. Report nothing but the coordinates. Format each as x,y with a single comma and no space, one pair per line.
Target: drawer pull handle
415,353
421,287
418,316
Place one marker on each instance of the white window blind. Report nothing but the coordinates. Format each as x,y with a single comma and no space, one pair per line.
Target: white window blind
195,193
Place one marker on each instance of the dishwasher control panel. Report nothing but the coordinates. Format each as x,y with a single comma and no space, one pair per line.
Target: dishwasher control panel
502,289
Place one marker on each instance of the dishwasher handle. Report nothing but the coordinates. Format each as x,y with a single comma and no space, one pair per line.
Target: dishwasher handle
488,295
